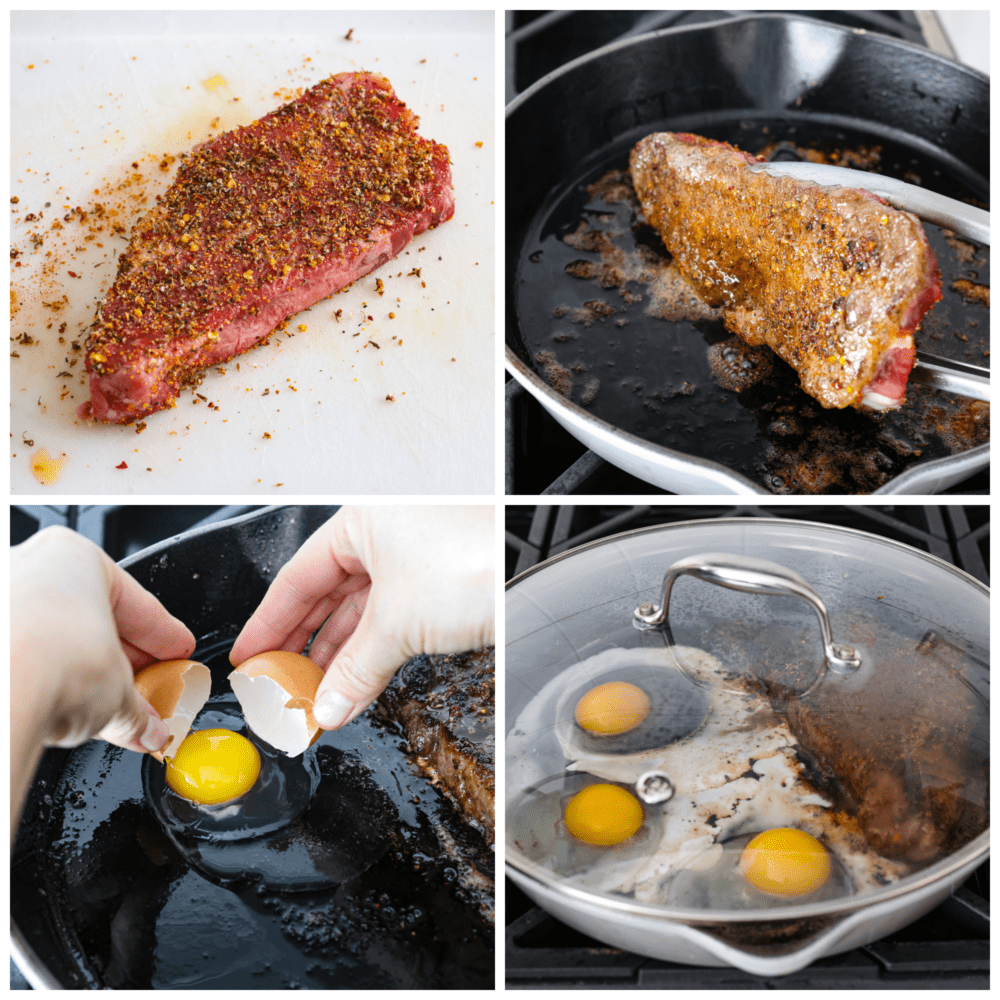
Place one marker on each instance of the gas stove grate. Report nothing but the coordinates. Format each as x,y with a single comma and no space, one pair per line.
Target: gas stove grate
948,948
120,529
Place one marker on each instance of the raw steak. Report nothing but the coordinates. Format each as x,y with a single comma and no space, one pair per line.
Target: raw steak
259,224
446,706
832,279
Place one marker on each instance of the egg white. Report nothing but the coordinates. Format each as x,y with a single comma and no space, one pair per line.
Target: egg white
735,774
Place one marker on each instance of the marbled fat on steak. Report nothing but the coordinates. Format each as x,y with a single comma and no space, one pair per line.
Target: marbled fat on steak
259,224
832,279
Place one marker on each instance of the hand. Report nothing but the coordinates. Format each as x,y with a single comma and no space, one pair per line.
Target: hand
389,583
80,627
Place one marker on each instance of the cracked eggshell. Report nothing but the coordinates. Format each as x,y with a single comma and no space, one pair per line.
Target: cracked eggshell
276,692
178,690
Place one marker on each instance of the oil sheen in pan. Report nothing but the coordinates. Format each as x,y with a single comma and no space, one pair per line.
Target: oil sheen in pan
590,327
139,916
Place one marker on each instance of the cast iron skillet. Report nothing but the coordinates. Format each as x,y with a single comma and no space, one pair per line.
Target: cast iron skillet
757,81
79,923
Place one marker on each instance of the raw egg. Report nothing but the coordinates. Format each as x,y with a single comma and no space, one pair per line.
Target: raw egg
213,766
785,861
603,815
178,690
613,708
276,693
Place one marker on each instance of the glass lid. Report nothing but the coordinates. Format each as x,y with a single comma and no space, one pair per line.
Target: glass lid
744,715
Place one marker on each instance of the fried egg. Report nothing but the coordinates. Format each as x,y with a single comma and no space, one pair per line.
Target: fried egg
735,774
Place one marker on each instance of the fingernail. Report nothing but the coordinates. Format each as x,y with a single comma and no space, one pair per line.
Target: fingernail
332,709
156,734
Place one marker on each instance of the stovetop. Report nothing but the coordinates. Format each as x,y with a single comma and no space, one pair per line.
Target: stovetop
946,949
541,458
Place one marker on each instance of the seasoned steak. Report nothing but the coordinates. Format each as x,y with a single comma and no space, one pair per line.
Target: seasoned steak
259,224
832,279
446,707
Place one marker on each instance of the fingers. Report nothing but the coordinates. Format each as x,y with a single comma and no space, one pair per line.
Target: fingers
359,673
147,630
80,627
339,626
306,591
135,725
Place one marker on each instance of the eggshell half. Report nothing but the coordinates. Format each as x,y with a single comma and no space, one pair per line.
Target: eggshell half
178,690
276,692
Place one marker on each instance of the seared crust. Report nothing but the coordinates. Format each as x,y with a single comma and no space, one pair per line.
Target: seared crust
446,706
832,279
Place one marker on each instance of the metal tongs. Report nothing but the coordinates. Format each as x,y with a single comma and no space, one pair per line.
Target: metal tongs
957,377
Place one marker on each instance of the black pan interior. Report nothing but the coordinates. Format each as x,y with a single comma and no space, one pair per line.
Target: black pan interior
746,82
106,901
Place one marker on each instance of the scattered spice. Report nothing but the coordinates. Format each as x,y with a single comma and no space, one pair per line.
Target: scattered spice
124,465
390,399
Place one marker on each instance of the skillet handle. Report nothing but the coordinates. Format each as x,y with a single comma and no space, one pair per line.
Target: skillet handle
754,576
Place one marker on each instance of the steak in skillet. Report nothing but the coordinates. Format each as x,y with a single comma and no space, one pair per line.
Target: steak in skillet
832,279
259,224
446,707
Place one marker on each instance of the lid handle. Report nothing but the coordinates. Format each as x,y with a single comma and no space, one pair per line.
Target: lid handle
754,576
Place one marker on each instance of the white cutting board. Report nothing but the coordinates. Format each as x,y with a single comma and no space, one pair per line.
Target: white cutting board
109,89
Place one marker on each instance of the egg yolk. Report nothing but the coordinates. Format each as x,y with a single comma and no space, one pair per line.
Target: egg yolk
603,815
212,766
786,862
613,708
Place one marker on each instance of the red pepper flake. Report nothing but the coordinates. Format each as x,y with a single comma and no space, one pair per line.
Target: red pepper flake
124,465
267,437
390,399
